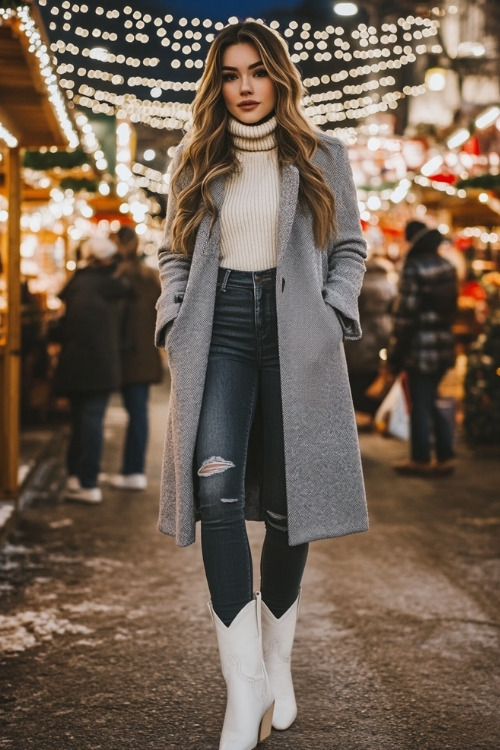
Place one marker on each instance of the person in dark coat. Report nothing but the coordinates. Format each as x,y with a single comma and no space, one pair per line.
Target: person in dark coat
422,345
364,355
140,359
89,366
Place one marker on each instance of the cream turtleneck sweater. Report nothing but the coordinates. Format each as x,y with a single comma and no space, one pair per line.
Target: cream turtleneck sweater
250,208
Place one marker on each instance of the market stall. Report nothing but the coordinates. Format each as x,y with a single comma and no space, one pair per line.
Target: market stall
33,114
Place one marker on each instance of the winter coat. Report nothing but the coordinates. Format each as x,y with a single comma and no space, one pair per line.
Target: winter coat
316,293
141,360
89,360
424,311
375,303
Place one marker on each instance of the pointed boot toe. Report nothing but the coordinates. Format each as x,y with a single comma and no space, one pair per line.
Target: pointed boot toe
277,642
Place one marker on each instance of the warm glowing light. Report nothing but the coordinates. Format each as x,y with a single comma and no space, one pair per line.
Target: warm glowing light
432,166
435,79
374,203
99,53
471,49
345,9
6,136
487,118
458,138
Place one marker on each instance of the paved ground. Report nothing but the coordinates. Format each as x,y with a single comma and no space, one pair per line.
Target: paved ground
106,643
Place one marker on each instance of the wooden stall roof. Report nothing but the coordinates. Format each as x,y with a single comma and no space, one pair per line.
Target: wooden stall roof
25,108
465,212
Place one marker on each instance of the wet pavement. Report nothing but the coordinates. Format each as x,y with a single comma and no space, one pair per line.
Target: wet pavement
106,642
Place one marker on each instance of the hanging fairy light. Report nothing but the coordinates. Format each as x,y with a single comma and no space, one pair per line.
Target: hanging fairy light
458,138
366,52
345,9
123,158
7,137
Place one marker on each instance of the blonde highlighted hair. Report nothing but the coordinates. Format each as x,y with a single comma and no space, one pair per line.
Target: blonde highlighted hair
209,150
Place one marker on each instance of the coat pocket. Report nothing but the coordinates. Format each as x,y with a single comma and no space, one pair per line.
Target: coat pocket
335,322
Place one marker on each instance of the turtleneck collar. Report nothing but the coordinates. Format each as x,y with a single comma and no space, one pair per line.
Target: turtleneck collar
253,137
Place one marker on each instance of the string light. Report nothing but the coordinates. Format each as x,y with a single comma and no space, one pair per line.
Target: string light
150,179
370,51
7,137
172,115
365,85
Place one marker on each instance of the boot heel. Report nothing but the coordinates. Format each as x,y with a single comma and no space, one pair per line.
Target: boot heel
266,723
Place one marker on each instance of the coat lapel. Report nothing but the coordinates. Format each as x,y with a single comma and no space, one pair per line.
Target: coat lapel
289,194
212,244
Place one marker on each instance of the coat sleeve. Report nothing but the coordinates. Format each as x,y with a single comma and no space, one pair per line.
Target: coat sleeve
174,270
347,251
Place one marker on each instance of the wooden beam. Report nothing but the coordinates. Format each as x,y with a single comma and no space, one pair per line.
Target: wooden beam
10,379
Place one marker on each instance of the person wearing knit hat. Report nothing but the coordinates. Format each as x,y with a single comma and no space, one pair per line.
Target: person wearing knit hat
89,364
261,267
99,248
422,345
422,238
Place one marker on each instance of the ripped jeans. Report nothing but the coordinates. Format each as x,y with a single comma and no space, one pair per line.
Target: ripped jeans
243,367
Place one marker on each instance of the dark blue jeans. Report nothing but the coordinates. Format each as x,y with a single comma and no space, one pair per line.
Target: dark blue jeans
135,399
83,458
429,426
243,369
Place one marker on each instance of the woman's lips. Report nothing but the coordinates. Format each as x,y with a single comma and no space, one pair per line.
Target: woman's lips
248,105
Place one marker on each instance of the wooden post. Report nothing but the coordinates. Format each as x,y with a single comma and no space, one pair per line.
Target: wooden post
10,380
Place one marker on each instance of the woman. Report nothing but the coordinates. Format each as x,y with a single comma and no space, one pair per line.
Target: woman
261,268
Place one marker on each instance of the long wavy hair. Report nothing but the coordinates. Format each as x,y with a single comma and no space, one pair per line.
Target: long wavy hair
209,150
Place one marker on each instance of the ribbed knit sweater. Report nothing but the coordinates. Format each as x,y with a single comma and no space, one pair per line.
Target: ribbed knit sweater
251,197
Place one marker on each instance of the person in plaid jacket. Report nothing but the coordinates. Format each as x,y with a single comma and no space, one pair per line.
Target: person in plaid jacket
422,345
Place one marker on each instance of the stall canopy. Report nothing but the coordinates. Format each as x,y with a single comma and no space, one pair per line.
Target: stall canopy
32,107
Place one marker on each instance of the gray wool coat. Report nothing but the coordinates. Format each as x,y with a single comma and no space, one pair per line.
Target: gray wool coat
317,307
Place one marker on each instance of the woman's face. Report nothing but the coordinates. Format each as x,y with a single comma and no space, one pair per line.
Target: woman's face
247,89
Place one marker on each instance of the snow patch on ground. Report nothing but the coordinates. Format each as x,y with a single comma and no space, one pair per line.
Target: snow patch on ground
61,524
28,629
92,608
14,549
103,562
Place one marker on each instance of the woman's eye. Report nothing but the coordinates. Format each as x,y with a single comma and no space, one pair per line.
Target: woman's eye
261,73
228,77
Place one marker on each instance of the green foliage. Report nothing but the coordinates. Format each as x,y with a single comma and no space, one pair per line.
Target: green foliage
482,182
45,160
74,184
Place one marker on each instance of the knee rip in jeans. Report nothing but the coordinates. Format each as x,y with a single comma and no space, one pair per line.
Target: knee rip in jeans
277,521
214,465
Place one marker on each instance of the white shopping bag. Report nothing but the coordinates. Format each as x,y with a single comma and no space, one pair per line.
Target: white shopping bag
392,418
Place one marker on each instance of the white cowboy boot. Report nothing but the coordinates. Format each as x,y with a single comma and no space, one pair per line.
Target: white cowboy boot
277,644
250,701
